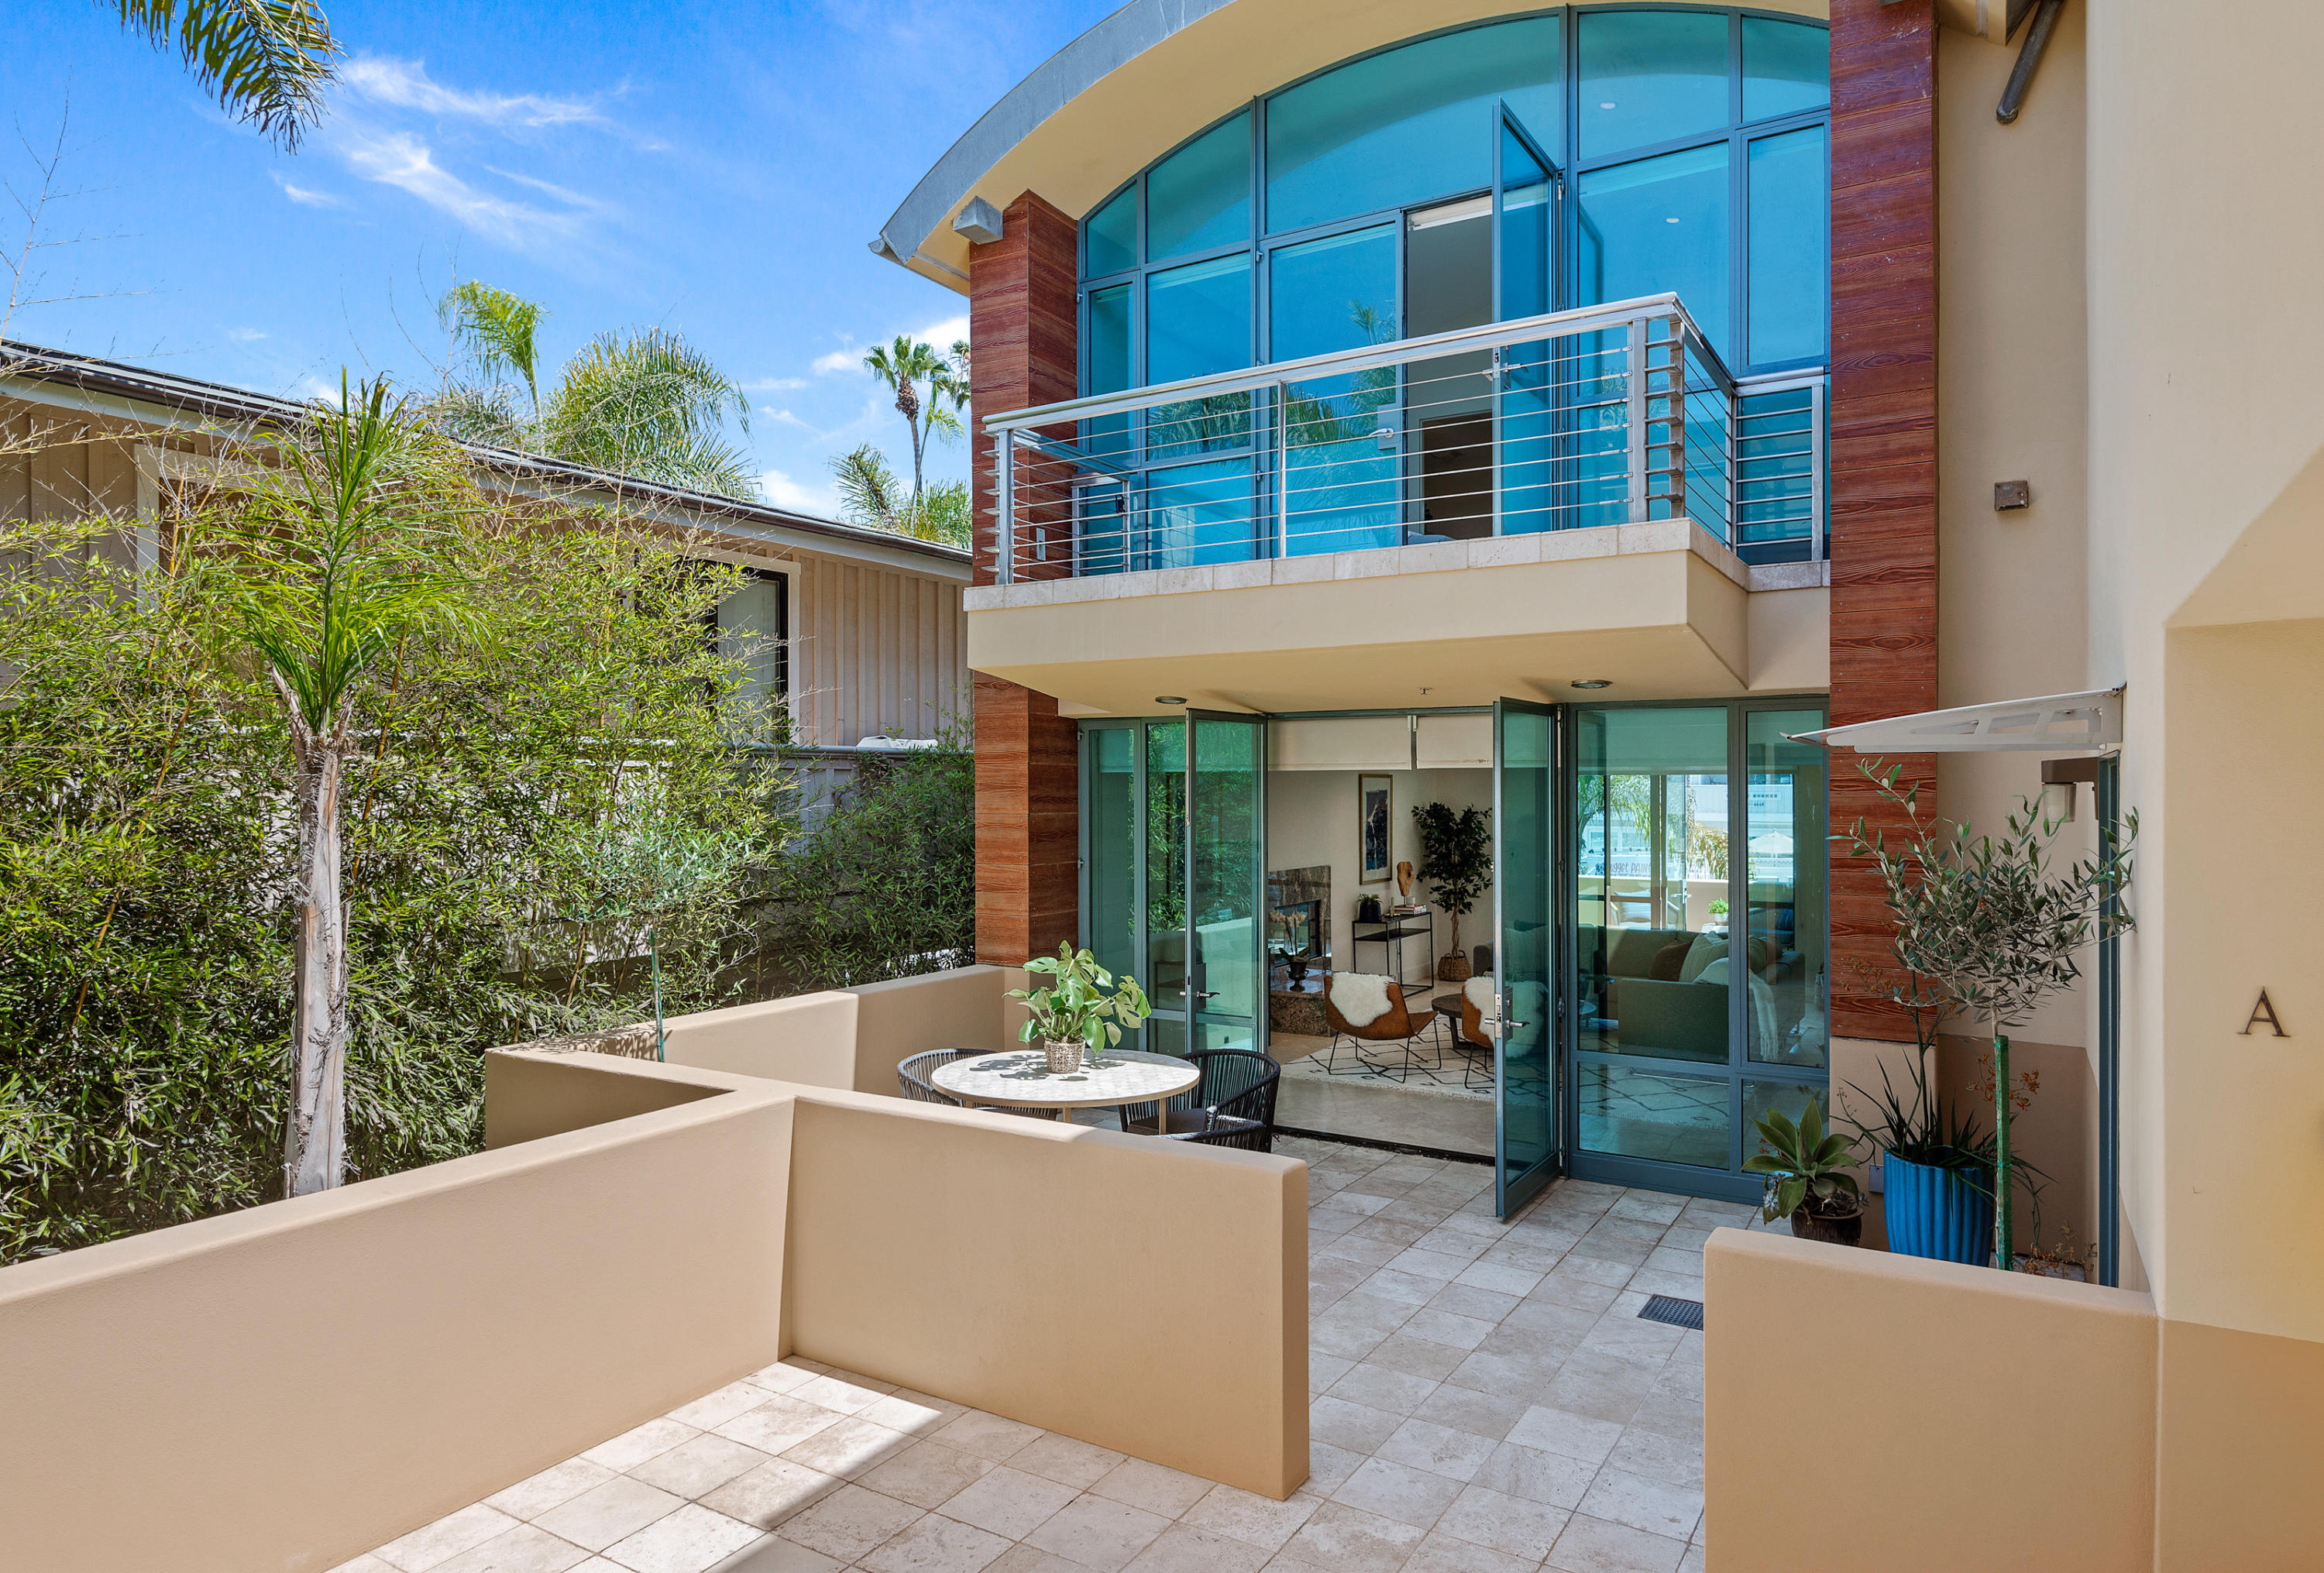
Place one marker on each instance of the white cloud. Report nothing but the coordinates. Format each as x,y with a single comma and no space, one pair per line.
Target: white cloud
952,330
773,385
407,84
246,334
306,198
400,160
850,359
322,392
785,493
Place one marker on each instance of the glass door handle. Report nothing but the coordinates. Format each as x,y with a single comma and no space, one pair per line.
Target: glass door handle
1206,994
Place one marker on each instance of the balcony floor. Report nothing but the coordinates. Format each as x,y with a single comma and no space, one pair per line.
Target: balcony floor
1486,1401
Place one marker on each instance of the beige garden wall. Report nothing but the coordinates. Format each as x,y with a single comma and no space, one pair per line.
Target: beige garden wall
283,1388
848,1038
1150,1297
1930,1416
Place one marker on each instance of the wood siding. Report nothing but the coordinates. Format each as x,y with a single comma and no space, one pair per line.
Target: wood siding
875,650
1021,322
1883,454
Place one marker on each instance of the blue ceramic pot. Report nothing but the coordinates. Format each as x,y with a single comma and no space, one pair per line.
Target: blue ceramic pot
1945,1214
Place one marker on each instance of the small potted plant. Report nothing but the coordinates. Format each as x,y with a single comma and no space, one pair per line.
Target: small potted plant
1082,1009
1807,1179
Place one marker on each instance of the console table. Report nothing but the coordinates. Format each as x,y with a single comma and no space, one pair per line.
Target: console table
1390,934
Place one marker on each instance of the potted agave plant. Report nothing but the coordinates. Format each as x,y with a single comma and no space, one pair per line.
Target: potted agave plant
1082,1009
1806,1168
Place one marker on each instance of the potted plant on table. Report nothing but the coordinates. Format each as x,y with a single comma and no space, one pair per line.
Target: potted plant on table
1082,1009
1456,861
1807,1176
1994,931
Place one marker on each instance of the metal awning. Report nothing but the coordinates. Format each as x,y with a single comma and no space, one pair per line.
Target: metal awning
2059,721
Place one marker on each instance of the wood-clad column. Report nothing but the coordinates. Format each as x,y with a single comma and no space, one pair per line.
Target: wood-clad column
1884,448
1021,336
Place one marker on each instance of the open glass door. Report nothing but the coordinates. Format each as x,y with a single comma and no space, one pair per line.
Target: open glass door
1226,776
1525,188
1525,836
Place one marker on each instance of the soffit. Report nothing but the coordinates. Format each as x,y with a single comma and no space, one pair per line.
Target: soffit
1142,81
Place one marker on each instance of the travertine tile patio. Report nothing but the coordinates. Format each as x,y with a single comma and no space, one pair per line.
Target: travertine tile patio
1486,1401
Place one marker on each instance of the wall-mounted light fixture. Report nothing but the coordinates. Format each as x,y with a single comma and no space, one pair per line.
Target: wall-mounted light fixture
2057,779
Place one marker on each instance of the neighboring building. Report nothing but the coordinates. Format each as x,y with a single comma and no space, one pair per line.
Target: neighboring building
1560,410
858,630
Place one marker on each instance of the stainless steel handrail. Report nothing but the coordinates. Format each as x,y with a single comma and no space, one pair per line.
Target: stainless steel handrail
1341,362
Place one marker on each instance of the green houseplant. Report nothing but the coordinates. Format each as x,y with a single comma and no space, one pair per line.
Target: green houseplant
1084,1008
1456,861
1992,932
1806,1167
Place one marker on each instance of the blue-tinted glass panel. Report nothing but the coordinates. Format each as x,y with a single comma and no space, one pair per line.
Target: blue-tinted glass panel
1110,236
1113,847
1786,68
1198,319
1341,453
1790,245
1407,124
1337,293
1655,224
1109,369
1199,513
1199,198
1650,76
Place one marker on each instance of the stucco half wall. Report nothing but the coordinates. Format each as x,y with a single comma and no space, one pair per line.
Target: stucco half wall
1139,83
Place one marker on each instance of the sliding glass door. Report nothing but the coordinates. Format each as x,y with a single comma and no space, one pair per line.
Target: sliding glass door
1172,879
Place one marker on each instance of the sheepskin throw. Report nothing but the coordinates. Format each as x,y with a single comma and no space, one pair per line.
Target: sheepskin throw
1359,997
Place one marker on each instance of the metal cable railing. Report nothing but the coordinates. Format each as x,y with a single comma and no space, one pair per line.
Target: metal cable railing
1602,415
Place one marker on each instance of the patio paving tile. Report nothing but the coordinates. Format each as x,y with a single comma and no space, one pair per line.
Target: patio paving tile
1486,1400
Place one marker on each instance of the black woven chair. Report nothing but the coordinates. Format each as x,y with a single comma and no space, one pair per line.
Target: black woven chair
1231,1106
912,1079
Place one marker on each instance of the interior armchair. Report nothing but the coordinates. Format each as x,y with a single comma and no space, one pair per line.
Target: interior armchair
1367,1007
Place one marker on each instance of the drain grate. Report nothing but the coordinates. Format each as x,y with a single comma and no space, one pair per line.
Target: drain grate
1686,1313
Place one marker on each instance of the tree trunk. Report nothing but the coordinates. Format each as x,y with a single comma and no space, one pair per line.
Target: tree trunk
314,1156
2002,1256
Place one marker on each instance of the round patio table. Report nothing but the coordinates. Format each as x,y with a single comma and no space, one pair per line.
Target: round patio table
1021,1079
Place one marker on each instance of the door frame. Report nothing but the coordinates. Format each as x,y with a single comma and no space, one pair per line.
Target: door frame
1652,1173
1513,1193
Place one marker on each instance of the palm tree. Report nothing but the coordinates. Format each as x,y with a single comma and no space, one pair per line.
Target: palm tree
336,563
903,366
869,494
644,404
268,60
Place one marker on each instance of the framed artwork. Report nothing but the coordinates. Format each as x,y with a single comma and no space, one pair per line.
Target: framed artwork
1373,863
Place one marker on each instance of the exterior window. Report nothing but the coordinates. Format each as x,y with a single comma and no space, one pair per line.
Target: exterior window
1198,319
1109,237
1660,224
1786,68
755,628
1407,124
1337,293
1199,198
1109,370
1790,251
1651,76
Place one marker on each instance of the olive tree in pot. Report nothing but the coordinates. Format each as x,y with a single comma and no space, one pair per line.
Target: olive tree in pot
1807,1179
1993,930
1456,861
1083,1011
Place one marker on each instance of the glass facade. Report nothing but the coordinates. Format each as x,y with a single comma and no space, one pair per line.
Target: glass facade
1686,151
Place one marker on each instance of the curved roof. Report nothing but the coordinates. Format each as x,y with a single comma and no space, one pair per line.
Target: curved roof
1137,84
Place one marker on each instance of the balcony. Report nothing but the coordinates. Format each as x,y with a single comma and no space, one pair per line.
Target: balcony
1588,488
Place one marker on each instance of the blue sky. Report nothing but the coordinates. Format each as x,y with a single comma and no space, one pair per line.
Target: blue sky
715,170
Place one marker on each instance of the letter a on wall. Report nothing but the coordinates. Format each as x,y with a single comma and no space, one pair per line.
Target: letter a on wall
2265,1011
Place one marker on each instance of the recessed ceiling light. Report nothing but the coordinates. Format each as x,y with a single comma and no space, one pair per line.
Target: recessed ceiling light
1593,683
1169,699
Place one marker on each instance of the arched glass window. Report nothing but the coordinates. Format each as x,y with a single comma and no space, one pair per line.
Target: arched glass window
1688,151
